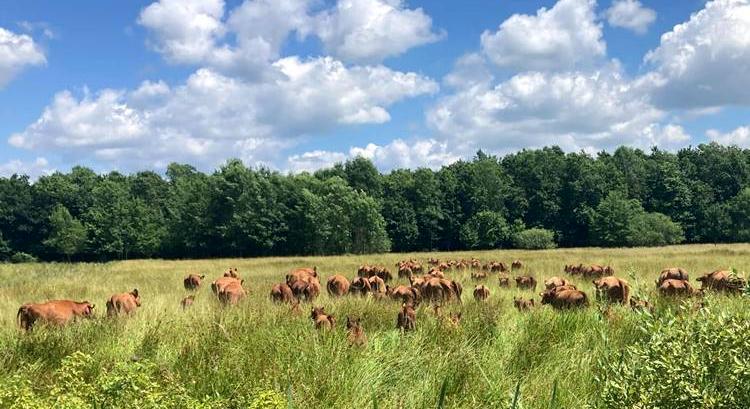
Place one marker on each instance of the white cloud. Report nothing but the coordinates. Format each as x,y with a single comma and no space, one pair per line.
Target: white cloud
314,160
670,136
739,137
372,30
17,51
40,166
575,110
213,116
705,61
565,36
630,14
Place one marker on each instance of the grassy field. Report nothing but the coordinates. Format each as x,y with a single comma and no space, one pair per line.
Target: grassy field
261,352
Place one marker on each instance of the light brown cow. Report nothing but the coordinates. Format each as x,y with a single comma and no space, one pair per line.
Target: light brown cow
377,286
306,290
58,312
481,292
672,273
674,287
282,293
405,272
124,303
232,294
408,295
563,299
555,281
526,282
193,281
220,283
479,275
302,274
337,285
407,318
722,280
355,333
522,304
321,319
612,289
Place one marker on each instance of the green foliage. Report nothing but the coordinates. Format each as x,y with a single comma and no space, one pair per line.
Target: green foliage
68,235
21,257
681,362
654,229
534,239
485,230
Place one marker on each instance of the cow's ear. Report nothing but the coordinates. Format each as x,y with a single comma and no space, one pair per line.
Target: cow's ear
135,292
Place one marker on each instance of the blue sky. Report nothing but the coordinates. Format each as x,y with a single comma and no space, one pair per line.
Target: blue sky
300,84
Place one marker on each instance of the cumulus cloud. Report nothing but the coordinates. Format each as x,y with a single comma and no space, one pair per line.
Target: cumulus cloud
630,14
703,62
34,169
739,137
564,36
372,30
213,116
17,51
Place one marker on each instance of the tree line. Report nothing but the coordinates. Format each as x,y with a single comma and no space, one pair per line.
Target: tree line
536,198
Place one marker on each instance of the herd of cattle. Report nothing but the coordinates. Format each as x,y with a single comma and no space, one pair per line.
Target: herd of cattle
433,287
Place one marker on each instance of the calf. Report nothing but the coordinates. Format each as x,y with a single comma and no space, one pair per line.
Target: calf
193,281
282,293
59,312
124,303
187,301
522,304
322,320
407,318
526,282
355,333
481,293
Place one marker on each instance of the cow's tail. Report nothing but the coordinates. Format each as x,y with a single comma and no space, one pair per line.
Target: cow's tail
625,291
331,287
585,300
110,308
22,317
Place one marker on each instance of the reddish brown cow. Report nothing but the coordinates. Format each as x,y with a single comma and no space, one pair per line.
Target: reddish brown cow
407,318
187,301
407,295
674,287
672,273
321,319
232,293
282,293
553,282
306,290
360,286
124,303
355,333
504,281
522,304
563,299
612,289
220,283
404,272
377,286
526,282
58,312
302,274
479,275
337,285
516,265
232,272
722,280
481,292
193,281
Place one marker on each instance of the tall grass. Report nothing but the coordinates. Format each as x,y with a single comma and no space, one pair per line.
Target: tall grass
497,357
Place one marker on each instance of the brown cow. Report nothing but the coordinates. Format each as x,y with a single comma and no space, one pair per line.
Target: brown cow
321,319
481,293
404,272
636,304
222,282
555,281
306,290
504,281
377,286
722,280
408,295
337,285
58,312
232,293
187,301
193,281
522,304
516,265
282,293
302,274
672,273
355,333
526,282
124,303
562,299
232,272
612,289
479,275
407,318
360,286
674,287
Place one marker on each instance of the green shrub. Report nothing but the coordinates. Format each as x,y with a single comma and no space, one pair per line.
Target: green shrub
535,239
654,229
684,362
21,257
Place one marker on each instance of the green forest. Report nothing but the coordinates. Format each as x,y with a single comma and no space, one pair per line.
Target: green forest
538,198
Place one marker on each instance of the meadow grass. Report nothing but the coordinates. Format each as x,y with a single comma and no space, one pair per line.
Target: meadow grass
219,352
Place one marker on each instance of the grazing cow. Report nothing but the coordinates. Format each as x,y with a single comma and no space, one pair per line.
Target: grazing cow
481,293
282,293
124,303
612,289
302,274
436,273
672,273
384,274
522,304
321,319
476,264
377,286
232,293
674,287
516,265
504,281
337,285
306,290
355,333
193,281
526,282
220,283
407,318
58,312
722,280
553,282
364,271
187,301
636,304
433,261
479,275
232,272
563,299
408,295
360,286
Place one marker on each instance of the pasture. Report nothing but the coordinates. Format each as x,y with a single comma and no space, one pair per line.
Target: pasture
260,353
